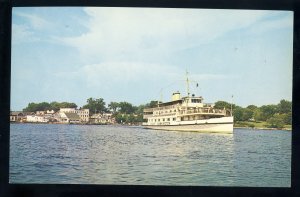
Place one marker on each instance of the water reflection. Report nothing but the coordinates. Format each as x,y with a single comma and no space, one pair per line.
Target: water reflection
131,155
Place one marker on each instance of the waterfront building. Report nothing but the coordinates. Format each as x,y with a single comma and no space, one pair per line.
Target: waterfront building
105,118
16,116
36,118
50,111
40,113
68,110
84,114
68,117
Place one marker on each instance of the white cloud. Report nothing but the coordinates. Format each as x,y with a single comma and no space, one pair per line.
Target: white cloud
114,32
35,21
123,43
271,25
27,32
129,50
112,73
201,77
21,34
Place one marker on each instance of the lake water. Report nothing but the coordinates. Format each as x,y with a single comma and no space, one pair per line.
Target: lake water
91,154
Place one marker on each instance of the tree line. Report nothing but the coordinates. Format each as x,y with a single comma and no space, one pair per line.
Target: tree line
124,112
43,106
275,115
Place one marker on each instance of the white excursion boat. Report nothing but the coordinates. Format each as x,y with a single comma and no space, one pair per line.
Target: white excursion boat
188,113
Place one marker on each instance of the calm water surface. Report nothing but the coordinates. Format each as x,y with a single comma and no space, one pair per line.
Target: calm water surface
132,155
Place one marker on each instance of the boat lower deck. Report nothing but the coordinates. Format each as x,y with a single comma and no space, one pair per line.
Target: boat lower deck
217,125
207,128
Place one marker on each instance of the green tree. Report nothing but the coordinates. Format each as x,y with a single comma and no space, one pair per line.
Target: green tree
257,115
56,105
120,118
126,108
277,121
140,109
33,107
222,104
152,104
267,111
95,105
284,106
139,118
238,114
252,107
130,119
67,105
288,118
113,106
247,114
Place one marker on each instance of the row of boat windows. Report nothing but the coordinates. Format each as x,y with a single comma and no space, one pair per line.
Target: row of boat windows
196,101
163,119
160,112
80,115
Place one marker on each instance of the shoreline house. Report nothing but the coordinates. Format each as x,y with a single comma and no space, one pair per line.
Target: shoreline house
40,113
69,117
105,118
84,114
50,112
36,118
16,116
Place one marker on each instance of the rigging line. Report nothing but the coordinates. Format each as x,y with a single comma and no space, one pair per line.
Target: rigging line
168,86
161,90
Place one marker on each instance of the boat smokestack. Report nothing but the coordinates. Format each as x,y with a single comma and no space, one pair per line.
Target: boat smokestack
176,96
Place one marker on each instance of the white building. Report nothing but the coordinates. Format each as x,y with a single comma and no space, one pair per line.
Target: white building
50,111
68,110
84,114
67,117
40,113
16,116
35,118
105,118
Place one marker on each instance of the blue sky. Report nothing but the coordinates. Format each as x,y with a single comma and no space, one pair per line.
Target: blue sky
142,54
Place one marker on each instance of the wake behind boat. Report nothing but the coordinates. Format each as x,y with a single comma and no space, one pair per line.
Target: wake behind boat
188,113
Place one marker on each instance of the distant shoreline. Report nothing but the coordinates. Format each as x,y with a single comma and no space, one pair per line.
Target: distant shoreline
264,128
251,128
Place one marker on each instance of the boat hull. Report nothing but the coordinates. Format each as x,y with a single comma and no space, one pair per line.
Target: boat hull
216,125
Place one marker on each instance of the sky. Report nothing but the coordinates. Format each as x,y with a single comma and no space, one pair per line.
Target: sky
142,54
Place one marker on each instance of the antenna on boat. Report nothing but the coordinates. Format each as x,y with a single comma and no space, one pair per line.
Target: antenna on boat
187,84
231,105
161,96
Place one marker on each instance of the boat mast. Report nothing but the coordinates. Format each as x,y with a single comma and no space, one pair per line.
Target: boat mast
231,104
187,84
187,89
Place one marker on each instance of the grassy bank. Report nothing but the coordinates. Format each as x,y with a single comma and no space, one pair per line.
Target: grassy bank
258,125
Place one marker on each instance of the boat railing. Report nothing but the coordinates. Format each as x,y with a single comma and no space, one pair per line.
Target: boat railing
145,116
205,111
160,108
